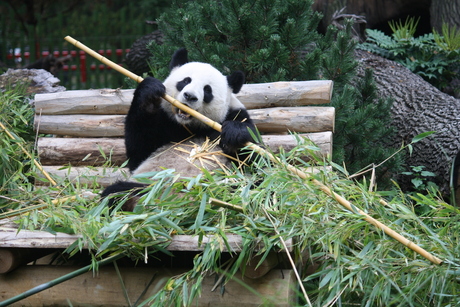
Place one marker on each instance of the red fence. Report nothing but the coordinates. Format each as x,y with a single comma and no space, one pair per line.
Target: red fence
79,70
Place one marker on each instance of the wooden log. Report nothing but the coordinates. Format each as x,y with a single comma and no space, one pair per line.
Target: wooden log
87,151
81,125
95,177
279,120
192,243
286,94
98,102
277,141
108,101
81,151
277,288
12,238
11,258
271,120
98,177
255,270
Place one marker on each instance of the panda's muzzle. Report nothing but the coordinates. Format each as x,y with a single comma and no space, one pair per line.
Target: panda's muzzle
182,114
189,97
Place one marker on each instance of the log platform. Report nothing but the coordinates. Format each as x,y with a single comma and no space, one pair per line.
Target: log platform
85,127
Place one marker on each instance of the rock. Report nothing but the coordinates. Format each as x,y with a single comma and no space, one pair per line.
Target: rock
38,80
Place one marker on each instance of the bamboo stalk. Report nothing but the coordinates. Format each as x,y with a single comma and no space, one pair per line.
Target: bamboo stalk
38,165
56,201
342,201
139,79
223,204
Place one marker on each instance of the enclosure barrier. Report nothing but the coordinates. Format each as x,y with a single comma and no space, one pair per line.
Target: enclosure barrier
78,71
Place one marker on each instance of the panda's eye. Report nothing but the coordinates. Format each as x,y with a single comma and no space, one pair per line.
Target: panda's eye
207,94
181,84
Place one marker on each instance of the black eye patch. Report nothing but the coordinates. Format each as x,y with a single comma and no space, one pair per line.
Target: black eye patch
181,84
207,94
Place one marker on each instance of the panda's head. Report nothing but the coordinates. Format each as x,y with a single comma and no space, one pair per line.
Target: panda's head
201,87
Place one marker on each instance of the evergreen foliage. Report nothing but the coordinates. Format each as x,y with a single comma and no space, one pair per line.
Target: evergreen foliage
278,41
363,112
434,57
265,39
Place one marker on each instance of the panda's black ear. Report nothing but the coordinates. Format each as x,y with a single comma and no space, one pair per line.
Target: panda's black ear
236,81
179,58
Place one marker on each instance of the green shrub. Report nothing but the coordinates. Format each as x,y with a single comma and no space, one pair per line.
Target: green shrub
16,116
435,57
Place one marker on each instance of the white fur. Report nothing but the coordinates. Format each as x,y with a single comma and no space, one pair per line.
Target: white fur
202,74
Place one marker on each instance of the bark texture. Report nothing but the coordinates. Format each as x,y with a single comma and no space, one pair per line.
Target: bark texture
418,107
137,57
445,11
377,12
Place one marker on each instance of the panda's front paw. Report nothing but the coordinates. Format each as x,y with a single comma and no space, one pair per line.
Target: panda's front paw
234,136
149,92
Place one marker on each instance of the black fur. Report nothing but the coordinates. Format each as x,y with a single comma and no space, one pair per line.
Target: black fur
179,58
236,81
135,189
148,126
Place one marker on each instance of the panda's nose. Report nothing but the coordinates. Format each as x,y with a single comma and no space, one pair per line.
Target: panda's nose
190,97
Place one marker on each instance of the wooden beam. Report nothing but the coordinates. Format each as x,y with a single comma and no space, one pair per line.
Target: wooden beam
98,102
270,120
12,238
81,125
95,177
99,177
277,288
286,94
11,258
81,151
279,120
253,96
87,151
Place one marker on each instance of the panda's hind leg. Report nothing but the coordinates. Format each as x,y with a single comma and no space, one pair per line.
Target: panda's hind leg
134,189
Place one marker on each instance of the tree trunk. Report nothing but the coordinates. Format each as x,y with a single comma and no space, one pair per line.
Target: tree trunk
418,107
447,11
377,12
138,56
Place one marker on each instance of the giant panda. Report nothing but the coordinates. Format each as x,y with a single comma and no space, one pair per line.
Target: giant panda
153,126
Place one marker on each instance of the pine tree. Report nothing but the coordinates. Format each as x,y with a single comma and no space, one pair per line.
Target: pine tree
265,39
277,40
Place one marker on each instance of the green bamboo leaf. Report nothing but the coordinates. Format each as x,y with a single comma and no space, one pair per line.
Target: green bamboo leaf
155,217
325,280
201,210
172,225
421,136
185,293
410,148
152,231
